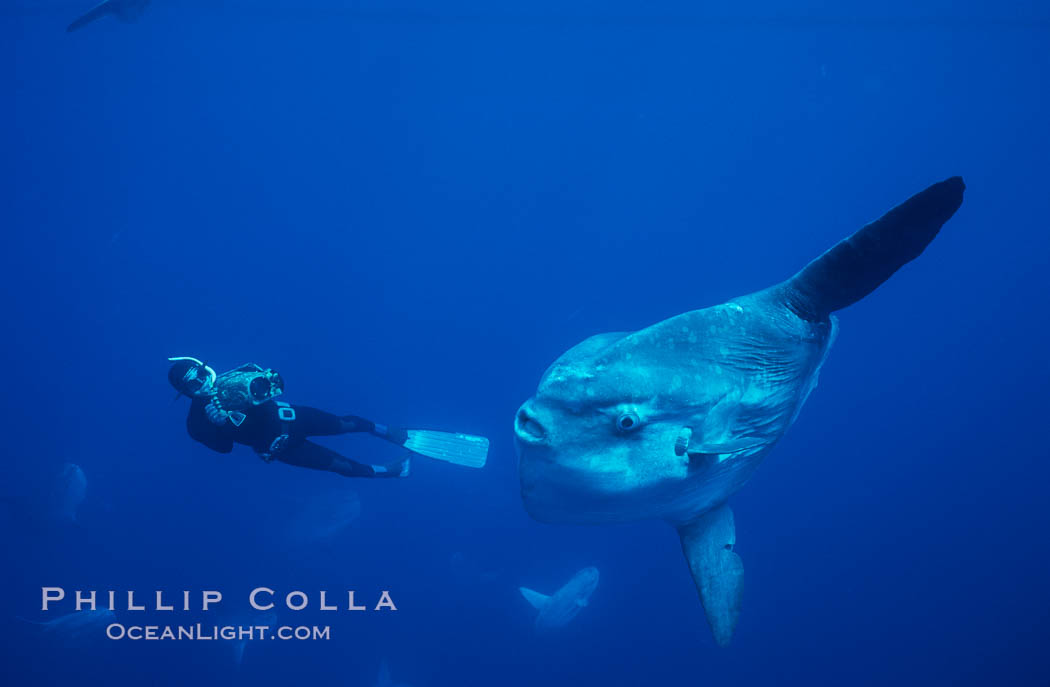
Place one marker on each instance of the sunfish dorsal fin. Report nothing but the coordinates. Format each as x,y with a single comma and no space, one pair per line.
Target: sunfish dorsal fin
100,10
717,571
537,600
857,265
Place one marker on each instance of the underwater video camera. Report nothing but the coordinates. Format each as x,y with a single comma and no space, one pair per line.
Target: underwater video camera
246,386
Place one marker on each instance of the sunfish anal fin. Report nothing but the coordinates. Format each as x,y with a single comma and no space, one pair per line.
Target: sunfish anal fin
717,571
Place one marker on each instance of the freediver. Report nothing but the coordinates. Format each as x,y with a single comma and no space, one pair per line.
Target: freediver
238,407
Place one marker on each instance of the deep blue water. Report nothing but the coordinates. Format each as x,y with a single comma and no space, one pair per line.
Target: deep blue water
410,209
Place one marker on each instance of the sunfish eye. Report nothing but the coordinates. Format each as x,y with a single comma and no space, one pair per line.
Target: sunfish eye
628,422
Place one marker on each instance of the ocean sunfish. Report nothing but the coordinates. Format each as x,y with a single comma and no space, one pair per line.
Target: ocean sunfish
562,606
268,620
76,628
383,679
324,515
68,492
670,421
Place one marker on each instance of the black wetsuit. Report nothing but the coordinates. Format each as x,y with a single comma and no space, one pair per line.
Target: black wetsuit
262,425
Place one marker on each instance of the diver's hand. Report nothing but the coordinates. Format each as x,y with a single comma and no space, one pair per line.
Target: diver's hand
216,415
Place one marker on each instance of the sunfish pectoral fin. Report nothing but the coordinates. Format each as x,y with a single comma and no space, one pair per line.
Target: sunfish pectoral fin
726,448
717,571
537,600
700,452
723,432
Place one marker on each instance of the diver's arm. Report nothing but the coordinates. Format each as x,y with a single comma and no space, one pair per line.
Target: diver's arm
202,430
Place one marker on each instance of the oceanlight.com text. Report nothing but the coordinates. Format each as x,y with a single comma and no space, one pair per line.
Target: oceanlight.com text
199,632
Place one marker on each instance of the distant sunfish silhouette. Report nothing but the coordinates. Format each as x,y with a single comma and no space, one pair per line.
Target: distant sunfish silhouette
384,680
68,492
239,645
668,422
76,628
562,606
125,10
325,515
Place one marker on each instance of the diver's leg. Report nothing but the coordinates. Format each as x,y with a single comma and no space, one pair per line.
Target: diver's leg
311,422
316,457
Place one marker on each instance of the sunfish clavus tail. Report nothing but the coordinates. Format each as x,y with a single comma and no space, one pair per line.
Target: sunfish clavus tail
670,421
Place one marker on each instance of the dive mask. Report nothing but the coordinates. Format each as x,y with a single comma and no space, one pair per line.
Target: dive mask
198,379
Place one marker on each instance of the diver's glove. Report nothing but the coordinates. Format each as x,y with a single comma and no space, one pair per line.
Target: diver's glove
216,415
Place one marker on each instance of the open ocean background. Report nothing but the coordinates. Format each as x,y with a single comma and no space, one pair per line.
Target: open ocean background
410,209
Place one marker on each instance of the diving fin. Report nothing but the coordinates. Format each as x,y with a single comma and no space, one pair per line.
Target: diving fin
460,449
717,571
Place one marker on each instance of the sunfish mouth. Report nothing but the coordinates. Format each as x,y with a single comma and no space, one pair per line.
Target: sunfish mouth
528,429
